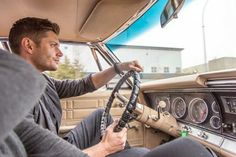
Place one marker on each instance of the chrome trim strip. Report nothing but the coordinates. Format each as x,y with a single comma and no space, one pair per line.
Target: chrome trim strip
218,83
210,138
191,90
229,145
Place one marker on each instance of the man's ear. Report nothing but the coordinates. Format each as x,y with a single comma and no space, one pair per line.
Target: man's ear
27,45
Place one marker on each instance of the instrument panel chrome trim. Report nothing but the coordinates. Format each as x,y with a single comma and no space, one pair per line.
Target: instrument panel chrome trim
229,145
217,140
211,138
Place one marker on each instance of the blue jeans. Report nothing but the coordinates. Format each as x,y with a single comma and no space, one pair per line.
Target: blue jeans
88,133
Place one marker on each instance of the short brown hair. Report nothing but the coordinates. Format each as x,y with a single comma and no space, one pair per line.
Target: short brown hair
31,27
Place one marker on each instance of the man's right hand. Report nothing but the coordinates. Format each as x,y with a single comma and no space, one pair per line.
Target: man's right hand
111,142
114,141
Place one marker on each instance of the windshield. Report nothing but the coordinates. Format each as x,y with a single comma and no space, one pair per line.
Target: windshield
201,39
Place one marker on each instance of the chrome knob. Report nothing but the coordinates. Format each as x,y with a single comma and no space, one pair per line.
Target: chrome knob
203,135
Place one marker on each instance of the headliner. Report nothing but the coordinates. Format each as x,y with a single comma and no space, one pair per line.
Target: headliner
80,20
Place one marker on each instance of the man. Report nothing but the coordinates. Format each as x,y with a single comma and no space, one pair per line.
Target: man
36,41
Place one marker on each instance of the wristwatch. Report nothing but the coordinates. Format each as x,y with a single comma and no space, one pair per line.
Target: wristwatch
117,69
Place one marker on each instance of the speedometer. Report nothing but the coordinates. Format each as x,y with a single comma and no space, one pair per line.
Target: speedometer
198,110
178,107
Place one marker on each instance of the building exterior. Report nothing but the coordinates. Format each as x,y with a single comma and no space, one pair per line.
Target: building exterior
154,59
213,65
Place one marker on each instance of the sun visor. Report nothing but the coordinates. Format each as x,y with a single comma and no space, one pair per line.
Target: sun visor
108,16
79,20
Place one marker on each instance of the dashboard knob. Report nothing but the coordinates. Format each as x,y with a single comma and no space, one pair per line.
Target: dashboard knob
187,128
203,135
153,117
162,104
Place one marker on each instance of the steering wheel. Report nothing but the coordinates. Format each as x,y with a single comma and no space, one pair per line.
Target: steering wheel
127,114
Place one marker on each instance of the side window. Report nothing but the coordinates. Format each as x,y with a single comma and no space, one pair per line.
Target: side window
4,45
1,46
77,62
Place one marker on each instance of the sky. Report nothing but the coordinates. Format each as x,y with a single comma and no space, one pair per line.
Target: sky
186,32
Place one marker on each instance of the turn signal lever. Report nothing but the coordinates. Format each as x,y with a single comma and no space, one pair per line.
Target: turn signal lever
163,121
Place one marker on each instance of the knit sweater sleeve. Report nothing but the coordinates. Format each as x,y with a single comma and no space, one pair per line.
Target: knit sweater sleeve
70,88
40,142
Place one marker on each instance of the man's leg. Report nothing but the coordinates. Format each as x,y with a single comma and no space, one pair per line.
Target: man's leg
131,152
181,147
87,133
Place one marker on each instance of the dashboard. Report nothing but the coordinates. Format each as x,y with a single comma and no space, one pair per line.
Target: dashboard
205,107
196,109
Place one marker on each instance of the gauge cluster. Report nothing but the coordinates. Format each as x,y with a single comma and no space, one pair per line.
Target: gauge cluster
197,109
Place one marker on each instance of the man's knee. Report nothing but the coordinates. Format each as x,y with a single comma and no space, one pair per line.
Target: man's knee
181,147
99,111
94,118
132,152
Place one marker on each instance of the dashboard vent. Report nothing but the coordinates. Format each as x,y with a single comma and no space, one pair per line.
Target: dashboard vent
221,83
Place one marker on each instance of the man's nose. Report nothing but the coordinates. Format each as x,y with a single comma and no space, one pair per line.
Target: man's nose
59,53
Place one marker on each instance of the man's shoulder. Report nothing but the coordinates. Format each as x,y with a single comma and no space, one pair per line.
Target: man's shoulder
48,78
46,75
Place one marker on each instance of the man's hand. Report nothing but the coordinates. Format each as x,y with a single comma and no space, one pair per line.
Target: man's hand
131,65
99,79
111,142
114,141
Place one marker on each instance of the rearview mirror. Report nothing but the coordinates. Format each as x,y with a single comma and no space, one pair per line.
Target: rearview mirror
170,11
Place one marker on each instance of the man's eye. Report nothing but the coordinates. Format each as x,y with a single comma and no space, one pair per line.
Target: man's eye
53,45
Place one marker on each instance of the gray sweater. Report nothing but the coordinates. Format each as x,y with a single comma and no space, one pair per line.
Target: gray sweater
40,142
12,146
37,140
48,112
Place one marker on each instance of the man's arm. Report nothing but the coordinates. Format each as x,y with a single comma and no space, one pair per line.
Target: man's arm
69,88
40,142
99,79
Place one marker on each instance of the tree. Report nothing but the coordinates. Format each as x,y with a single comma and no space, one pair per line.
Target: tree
67,70
79,68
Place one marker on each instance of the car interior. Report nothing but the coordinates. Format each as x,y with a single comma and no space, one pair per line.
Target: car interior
201,106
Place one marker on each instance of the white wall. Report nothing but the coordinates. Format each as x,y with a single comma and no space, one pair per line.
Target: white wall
152,58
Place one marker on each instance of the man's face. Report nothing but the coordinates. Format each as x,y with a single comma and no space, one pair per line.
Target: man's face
46,55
